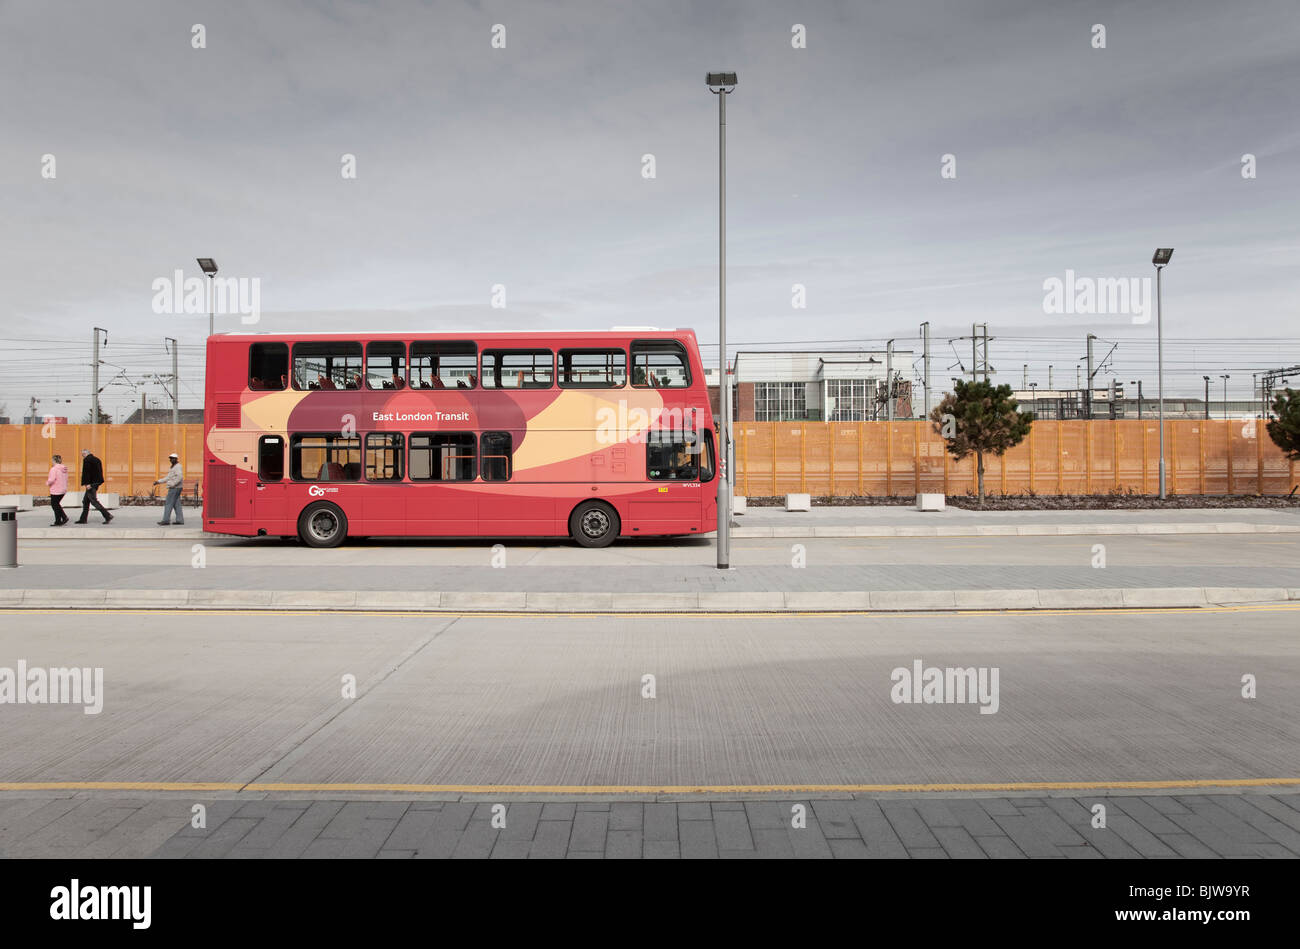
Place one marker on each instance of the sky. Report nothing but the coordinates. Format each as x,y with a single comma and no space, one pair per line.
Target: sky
524,168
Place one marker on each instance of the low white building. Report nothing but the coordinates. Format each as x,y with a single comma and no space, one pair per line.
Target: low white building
822,385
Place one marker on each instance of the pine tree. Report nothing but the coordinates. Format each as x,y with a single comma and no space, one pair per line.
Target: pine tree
982,418
1284,427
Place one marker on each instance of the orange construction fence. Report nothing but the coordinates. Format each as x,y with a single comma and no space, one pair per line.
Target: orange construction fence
1232,456
134,456
1221,456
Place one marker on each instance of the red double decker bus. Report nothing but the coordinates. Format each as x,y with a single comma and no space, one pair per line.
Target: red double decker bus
326,436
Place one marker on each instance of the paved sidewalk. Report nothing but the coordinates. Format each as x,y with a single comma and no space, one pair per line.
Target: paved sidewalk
716,601
864,521
899,515
1169,570
1228,825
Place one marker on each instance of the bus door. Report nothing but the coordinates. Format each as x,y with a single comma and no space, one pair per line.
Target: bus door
509,506
268,493
678,465
385,496
440,499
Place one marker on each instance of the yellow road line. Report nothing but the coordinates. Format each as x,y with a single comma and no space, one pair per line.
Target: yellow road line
118,786
750,614
352,788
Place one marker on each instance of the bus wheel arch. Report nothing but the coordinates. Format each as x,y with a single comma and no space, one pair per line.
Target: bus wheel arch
594,524
322,524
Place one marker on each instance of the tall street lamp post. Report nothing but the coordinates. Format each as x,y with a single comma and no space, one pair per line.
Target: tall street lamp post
209,267
1160,259
723,84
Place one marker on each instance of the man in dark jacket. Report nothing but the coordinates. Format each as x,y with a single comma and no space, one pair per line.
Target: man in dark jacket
92,476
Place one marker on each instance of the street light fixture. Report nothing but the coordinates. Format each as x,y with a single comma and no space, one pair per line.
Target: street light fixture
209,267
1225,377
1207,397
723,84
1160,259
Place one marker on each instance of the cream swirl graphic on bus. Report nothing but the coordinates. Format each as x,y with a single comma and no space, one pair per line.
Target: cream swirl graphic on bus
553,429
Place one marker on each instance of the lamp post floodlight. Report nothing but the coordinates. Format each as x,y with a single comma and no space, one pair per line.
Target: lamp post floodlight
209,267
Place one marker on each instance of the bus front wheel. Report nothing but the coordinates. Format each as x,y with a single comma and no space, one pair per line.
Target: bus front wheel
322,525
594,524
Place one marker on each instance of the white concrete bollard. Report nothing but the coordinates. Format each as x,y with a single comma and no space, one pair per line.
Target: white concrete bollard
798,502
109,499
21,501
738,505
930,502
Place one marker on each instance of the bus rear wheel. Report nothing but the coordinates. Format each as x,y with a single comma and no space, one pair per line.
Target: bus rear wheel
594,524
322,525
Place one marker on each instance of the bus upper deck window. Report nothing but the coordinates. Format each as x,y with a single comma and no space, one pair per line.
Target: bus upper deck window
326,365
518,368
660,364
593,368
443,364
268,366
385,366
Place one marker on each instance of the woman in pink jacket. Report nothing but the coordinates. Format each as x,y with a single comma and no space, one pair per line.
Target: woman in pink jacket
58,484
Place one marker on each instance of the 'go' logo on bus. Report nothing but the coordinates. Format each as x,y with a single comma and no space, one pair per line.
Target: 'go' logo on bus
316,491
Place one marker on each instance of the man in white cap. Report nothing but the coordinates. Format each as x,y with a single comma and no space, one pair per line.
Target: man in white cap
175,481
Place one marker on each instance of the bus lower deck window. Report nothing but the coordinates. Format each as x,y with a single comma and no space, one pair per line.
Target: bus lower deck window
383,456
325,458
442,456
497,451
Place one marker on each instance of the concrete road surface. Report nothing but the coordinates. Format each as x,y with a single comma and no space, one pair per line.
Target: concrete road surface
752,701
754,721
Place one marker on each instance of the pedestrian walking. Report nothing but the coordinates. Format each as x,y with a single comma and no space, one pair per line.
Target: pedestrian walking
175,481
92,476
57,481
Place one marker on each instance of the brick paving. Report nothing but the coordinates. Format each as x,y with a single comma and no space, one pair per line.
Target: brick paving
1228,825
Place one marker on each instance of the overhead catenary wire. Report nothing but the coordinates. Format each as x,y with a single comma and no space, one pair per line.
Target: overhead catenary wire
60,367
